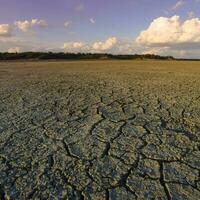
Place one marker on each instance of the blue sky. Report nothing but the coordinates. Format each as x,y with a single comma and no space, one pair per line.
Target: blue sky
108,25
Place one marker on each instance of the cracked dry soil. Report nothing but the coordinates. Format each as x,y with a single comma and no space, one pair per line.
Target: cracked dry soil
100,130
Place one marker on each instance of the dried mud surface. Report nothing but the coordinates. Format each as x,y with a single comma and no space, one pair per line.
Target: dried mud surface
100,130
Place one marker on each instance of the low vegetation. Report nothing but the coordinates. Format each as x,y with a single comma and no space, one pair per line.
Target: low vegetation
77,56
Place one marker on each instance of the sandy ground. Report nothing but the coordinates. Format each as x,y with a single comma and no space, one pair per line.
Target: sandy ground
100,130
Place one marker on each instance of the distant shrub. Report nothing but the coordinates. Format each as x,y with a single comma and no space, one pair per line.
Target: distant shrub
77,56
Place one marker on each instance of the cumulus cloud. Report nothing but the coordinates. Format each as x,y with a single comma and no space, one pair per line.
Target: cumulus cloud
75,47
87,47
165,31
5,30
37,22
156,50
108,44
14,50
27,25
24,26
171,36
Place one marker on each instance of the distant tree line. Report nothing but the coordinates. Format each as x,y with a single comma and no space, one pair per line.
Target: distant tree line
77,56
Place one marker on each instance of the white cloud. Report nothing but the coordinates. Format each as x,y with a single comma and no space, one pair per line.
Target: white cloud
170,51
24,26
156,50
86,47
67,24
74,45
170,31
178,4
108,44
92,20
37,22
27,25
171,36
14,50
5,30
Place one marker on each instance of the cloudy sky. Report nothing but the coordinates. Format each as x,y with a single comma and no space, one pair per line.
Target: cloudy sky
169,27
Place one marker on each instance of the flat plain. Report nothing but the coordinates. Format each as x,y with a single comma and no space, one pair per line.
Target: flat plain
99,130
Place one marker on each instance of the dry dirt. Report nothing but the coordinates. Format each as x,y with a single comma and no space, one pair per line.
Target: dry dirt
95,130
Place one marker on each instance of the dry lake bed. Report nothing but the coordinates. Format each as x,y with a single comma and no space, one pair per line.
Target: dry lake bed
95,130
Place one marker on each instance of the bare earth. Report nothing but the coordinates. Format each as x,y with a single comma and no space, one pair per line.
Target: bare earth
100,130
